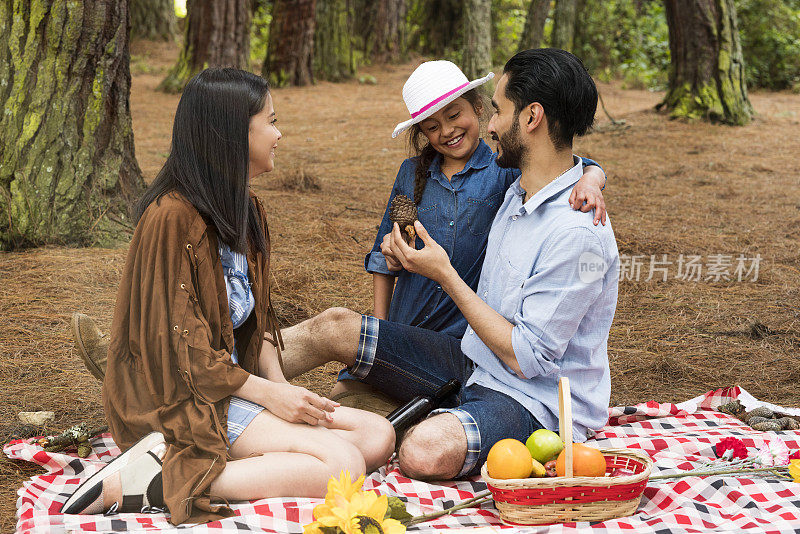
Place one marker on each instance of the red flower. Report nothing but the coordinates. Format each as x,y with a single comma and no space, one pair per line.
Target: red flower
795,455
737,447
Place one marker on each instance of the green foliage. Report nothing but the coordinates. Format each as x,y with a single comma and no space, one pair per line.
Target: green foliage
259,31
334,58
770,36
624,38
508,22
397,509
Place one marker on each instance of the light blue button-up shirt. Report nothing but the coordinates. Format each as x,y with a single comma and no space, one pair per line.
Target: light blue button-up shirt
552,274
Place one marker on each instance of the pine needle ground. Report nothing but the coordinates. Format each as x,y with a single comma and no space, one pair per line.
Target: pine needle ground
674,188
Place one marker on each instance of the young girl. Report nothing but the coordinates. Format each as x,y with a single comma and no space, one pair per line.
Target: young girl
191,390
458,187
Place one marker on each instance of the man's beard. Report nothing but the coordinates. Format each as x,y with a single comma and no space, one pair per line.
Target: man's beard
512,150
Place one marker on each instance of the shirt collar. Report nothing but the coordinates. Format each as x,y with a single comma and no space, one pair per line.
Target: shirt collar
565,180
480,159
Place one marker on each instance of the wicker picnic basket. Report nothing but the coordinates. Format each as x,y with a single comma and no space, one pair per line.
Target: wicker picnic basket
539,501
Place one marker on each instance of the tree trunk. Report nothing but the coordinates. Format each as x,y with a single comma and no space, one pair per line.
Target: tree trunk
439,26
707,74
385,39
333,54
564,24
217,35
533,34
153,20
67,166
291,43
477,38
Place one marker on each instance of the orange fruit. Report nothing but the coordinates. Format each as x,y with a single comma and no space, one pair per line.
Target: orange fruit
509,458
586,462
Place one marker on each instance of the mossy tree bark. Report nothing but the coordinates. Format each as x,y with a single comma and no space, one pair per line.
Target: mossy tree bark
707,75
440,26
533,34
290,53
385,33
217,35
477,38
564,16
153,20
333,48
67,166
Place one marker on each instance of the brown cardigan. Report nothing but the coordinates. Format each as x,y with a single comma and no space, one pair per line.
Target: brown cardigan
169,364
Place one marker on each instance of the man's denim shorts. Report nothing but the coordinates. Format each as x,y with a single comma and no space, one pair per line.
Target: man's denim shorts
405,361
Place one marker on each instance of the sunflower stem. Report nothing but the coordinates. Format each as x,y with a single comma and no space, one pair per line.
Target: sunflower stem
701,473
480,498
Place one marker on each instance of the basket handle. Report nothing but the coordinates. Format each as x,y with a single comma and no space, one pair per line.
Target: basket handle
565,422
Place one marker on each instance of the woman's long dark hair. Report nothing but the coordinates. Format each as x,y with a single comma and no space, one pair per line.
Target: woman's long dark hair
209,160
425,153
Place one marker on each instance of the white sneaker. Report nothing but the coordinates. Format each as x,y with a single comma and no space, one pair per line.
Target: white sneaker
140,485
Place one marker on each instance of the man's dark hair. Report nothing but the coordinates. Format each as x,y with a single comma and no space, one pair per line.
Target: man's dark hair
209,159
559,82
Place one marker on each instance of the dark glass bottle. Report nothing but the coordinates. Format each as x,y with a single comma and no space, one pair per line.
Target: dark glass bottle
419,407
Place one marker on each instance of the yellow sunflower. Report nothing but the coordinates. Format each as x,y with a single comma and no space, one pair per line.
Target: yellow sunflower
339,494
353,511
794,469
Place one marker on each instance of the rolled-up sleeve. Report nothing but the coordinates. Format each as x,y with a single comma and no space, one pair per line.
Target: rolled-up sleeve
556,298
375,261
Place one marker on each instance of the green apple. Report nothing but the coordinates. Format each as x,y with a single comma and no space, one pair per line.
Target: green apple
544,445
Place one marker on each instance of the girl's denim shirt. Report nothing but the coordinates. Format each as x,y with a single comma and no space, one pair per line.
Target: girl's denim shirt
457,213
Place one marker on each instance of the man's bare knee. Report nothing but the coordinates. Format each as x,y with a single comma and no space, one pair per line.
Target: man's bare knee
338,329
330,336
435,449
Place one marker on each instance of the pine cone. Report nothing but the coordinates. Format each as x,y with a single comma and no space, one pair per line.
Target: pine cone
761,411
789,423
403,211
768,426
755,420
732,408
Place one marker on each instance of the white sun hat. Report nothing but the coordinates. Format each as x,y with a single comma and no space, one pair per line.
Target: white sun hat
432,86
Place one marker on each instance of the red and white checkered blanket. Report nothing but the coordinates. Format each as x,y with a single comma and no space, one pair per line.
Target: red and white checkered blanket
676,436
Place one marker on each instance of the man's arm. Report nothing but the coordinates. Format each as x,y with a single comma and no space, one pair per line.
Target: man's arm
554,301
432,262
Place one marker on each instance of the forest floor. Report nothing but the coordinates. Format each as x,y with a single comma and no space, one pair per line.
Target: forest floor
690,191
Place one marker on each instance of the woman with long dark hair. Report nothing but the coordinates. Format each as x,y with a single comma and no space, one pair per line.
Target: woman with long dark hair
192,393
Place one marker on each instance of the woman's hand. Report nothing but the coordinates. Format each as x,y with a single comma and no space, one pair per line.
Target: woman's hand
587,195
296,404
392,263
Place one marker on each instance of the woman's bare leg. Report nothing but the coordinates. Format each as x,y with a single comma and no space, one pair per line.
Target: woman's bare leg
371,433
294,460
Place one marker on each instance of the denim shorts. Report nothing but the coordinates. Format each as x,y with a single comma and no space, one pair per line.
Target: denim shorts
240,414
406,361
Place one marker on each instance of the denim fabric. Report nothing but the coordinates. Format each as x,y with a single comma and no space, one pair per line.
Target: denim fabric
553,275
407,361
457,213
241,413
240,296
